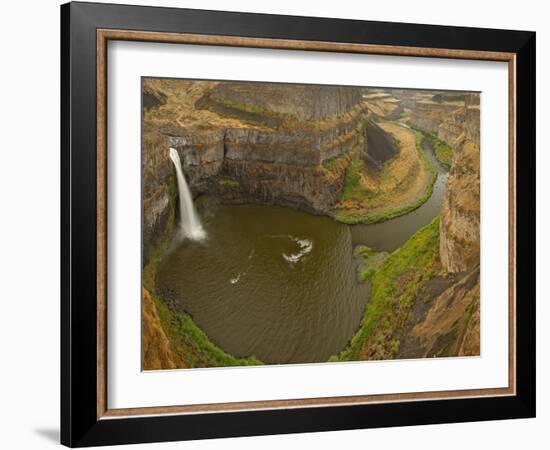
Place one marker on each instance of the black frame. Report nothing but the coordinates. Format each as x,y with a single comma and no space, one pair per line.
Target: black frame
79,423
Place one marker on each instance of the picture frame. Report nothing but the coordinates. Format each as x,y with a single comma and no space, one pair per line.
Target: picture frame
86,418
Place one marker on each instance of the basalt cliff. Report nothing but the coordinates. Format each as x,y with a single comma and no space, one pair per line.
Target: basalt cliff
452,324
246,143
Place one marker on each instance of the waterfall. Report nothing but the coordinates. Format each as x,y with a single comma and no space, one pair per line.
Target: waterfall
189,221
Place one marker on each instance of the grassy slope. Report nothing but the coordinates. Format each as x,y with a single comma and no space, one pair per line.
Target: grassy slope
443,151
372,260
353,190
395,287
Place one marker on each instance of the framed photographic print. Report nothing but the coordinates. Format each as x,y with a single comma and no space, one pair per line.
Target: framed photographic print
276,224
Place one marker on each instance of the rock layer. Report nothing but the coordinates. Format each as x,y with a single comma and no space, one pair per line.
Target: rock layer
428,116
449,325
304,102
270,151
158,182
155,345
460,216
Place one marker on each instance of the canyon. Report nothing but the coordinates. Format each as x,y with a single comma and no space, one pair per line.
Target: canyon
353,154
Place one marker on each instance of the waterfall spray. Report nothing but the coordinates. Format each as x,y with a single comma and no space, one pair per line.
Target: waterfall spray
189,220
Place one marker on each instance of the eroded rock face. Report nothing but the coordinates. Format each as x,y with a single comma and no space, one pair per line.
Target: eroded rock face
310,188
449,325
460,216
201,152
459,241
266,145
157,181
281,167
156,347
301,147
462,125
381,147
304,102
429,116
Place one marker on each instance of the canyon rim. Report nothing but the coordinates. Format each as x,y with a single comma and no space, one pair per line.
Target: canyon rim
295,223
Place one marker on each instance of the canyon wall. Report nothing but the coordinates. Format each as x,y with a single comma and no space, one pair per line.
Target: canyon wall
156,353
449,325
304,102
259,143
158,191
428,116
460,216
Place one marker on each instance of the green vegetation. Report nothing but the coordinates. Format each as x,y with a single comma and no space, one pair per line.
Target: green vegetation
341,162
395,286
332,163
229,183
443,151
352,218
372,260
353,190
191,344
365,251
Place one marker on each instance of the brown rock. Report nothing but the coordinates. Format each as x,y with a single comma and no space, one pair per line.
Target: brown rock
449,325
470,343
156,347
304,102
459,235
156,178
246,162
